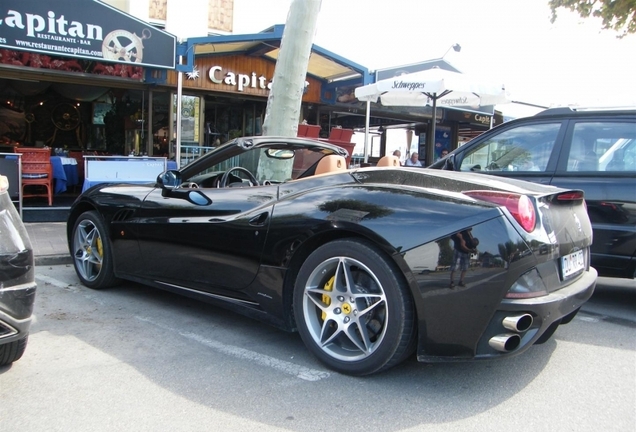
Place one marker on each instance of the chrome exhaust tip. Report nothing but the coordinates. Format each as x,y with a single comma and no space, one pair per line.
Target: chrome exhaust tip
505,342
519,323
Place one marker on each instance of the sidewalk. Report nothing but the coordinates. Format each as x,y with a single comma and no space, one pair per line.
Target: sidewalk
49,243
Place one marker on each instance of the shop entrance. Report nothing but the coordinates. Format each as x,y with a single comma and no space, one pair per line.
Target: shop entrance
227,118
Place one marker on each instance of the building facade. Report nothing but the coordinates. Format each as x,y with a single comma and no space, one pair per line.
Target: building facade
124,104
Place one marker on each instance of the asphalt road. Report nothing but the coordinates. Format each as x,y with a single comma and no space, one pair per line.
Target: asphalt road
135,359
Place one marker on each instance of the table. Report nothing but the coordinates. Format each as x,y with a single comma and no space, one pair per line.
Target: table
122,169
65,173
10,168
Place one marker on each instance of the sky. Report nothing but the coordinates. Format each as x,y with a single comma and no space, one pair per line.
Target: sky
573,62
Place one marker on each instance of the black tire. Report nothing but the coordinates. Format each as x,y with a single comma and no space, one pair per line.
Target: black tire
92,252
12,351
352,311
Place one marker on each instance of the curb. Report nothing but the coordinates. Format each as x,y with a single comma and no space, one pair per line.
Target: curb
48,260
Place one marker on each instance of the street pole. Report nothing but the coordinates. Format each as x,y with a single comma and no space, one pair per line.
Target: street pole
179,92
366,132
430,149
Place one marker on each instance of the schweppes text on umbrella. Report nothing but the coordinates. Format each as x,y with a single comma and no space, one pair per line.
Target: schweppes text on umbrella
408,85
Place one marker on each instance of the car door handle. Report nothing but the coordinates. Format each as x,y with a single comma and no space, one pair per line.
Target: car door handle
260,219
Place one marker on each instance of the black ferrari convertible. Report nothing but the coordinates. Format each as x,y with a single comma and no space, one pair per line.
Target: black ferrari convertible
369,265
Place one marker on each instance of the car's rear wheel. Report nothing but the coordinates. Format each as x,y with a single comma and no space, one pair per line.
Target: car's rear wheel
12,351
91,250
353,310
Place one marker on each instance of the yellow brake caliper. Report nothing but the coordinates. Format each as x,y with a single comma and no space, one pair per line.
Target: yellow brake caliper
326,299
100,247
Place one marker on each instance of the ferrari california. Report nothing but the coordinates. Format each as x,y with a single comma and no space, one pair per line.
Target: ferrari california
370,266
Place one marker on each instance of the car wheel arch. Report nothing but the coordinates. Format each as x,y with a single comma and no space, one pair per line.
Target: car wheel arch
310,245
301,253
77,210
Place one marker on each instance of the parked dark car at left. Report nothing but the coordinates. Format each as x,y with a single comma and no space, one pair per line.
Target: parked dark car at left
369,265
17,280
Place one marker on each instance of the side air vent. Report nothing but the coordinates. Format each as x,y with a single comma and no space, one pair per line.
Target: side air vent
123,215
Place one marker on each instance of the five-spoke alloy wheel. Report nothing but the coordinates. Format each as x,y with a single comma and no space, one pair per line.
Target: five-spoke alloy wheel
351,309
91,251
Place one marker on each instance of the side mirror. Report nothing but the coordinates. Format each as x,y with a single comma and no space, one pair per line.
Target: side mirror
169,179
170,182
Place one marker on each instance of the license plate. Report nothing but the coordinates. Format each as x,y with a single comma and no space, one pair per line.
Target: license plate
572,263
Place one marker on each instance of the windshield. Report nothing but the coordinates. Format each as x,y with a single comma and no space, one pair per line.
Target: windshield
265,165
524,148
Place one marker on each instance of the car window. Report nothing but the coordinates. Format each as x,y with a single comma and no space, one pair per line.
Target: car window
264,168
602,146
523,148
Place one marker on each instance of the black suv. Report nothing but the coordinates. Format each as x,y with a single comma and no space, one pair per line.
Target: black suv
17,280
591,150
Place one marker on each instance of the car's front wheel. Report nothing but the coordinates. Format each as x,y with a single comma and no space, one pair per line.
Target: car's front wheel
91,250
353,310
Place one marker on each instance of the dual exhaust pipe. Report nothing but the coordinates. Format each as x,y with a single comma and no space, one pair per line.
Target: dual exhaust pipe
508,342
519,323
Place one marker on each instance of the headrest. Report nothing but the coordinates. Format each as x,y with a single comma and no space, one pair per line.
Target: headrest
389,161
331,163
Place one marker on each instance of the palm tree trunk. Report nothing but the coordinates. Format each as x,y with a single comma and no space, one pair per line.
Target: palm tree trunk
282,114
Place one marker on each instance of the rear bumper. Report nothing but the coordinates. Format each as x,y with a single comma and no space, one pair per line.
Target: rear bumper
16,309
547,312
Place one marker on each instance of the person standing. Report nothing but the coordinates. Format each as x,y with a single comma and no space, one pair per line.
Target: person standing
443,154
464,245
397,153
414,160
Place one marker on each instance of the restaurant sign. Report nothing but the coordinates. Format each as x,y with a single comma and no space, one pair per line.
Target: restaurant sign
86,29
240,75
472,117
240,81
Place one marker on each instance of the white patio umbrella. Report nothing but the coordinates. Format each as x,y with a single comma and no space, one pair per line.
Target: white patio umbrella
430,87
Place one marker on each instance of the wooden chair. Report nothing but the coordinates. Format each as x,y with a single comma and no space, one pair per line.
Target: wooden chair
37,171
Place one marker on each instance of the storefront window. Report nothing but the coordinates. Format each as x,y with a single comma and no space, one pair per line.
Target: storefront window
160,123
254,120
190,117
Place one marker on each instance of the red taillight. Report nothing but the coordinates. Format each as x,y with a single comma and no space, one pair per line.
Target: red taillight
570,196
519,206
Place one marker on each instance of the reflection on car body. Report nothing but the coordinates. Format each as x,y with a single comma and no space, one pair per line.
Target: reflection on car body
356,260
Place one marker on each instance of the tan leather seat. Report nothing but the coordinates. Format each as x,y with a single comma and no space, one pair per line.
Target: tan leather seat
331,163
389,160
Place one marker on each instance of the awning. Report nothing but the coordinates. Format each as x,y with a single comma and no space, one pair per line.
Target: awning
323,64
